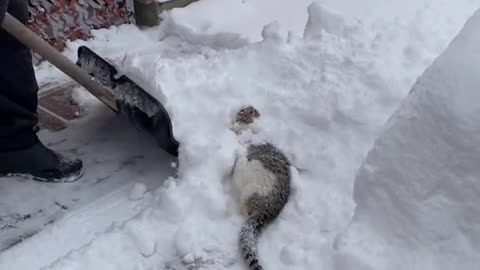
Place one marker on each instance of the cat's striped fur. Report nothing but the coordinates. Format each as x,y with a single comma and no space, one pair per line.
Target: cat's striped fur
262,180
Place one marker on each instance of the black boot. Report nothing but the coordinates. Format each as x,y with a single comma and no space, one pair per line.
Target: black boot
39,163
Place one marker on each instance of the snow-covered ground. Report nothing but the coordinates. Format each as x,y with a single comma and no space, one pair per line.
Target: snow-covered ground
27,206
325,91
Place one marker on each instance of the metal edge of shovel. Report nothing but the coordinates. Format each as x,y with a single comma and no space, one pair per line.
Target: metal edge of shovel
97,76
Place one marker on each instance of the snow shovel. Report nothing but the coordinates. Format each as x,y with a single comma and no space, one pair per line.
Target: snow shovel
96,75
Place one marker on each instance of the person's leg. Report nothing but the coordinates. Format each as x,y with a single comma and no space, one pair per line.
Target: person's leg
21,152
18,87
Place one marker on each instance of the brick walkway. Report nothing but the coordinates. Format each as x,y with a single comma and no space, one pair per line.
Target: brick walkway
56,107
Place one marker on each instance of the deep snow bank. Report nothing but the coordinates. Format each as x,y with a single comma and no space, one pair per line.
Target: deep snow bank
418,192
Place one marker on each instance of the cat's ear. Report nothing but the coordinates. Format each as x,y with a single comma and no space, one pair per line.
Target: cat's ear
256,113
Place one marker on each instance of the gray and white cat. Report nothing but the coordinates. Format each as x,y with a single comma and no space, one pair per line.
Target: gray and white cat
262,179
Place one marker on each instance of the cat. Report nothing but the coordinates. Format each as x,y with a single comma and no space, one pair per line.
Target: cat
262,179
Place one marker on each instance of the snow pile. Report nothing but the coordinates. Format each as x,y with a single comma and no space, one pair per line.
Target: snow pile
247,17
321,99
244,17
112,44
418,192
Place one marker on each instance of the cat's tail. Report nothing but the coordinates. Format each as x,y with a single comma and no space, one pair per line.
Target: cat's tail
248,240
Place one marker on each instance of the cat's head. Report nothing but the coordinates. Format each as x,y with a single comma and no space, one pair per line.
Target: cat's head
245,117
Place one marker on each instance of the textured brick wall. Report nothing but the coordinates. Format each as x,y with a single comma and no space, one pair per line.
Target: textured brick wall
57,21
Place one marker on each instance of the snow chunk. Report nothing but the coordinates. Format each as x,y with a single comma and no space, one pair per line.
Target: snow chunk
189,258
271,32
321,19
138,191
418,193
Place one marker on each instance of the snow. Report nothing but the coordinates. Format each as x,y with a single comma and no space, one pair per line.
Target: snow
96,201
417,193
247,17
138,191
325,79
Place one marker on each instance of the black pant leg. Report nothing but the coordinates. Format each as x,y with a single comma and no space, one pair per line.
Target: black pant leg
18,87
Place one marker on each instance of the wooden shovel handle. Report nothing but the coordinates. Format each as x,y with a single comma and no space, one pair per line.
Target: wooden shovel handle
40,46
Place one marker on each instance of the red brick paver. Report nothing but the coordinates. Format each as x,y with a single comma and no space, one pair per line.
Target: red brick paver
56,107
